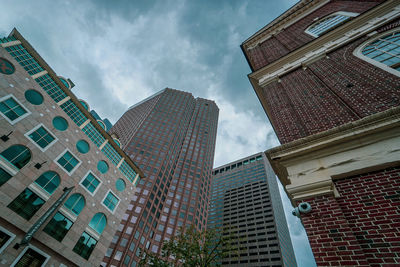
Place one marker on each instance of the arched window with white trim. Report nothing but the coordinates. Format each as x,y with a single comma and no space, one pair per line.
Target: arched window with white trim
382,51
326,23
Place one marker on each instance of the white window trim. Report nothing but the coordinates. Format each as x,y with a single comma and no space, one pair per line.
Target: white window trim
93,233
58,164
7,166
36,144
97,188
317,20
35,249
116,207
12,236
358,53
19,103
37,189
66,212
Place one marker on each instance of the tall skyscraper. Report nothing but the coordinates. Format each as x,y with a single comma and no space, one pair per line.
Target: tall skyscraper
63,180
328,76
171,135
245,198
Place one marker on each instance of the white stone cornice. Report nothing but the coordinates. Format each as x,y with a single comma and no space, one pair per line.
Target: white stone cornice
12,43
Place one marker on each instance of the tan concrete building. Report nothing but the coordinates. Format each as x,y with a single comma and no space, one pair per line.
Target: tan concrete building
64,182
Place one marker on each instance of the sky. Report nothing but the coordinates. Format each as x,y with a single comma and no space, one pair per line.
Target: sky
119,52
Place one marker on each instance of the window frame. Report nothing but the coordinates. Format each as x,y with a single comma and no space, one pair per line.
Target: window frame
59,165
87,190
339,13
373,37
12,236
29,246
36,144
105,196
12,122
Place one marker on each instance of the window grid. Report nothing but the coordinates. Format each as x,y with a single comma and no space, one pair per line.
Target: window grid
73,112
129,173
68,161
111,154
51,88
385,50
24,59
93,134
7,39
90,182
42,137
111,201
12,109
325,24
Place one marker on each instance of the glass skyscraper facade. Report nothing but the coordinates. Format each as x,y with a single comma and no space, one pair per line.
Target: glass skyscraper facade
171,135
245,198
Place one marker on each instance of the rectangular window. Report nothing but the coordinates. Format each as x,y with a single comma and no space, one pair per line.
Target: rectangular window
67,161
31,256
111,201
41,137
58,226
6,238
4,176
91,183
12,110
26,204
85,246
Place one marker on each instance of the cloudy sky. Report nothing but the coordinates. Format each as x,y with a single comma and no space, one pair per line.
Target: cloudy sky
120,52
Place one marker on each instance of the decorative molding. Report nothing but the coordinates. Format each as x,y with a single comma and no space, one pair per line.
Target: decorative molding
12,43
62,101
39,74
309,166
357,27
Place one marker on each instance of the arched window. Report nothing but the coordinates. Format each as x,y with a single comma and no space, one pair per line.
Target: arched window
17,155
75,203
98,222
49,181
326,23
383,51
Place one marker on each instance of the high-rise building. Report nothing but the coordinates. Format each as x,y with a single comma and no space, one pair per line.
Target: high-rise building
245,199
327,74
64,181
171,135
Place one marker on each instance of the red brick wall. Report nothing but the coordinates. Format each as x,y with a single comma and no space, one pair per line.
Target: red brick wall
294,36
330,92
362,226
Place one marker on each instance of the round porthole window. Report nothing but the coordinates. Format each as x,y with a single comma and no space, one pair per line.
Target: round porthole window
60,123
120,185
102,166
33,97
6,67
65,82
82,146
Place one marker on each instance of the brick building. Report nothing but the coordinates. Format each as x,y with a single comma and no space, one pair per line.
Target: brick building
327,75
245,198
171,135
64,181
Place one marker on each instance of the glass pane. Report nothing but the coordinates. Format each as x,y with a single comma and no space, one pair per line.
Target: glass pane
58,226
26,204
82,146
31,258
102,166
34,97
60,123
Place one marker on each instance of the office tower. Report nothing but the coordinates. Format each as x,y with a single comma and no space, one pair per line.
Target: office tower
327,75
64,181
245,198
171,135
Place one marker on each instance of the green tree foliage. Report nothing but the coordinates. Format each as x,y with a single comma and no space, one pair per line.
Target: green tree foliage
193,248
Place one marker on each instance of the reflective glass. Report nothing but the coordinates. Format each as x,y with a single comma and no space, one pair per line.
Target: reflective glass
18,155
58,226
98,222
75,203
26,204
33,97
49,181
102,166
120,185
60,123
82,146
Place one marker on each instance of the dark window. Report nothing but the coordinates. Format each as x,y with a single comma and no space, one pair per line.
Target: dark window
85,245
31,258
26,204
17,155
58,226
4,176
